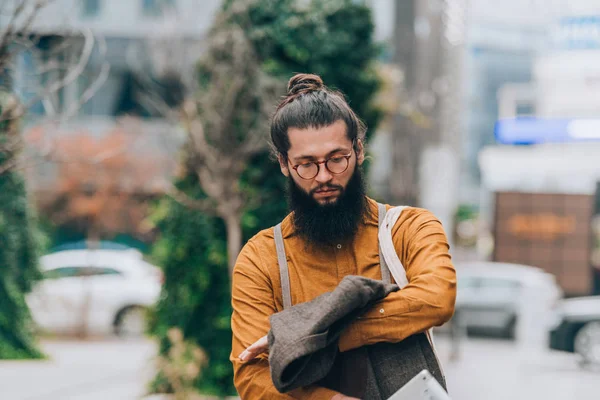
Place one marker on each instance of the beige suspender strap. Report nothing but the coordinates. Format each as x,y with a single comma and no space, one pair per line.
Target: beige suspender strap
385,272
283,267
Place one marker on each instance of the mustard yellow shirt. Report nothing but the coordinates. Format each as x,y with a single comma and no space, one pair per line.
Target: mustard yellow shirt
428,299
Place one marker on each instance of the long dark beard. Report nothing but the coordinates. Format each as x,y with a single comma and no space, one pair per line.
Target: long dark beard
332,223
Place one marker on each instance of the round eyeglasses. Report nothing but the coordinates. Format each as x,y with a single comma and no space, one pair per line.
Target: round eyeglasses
336,165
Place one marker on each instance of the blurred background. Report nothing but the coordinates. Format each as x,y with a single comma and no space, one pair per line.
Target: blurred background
134,165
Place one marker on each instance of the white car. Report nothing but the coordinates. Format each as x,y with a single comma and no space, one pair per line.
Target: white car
578,328
94,292
493,296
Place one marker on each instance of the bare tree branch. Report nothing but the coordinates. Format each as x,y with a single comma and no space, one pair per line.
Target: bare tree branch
9,32
197,134
77,69
15,30
20,36
76,48
156,103
92,88
225,114
205,205
9,164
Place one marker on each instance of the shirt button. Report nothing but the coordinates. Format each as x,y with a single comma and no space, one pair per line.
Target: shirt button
382,311
339,246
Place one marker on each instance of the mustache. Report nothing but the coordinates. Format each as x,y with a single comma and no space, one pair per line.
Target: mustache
331,223
326,186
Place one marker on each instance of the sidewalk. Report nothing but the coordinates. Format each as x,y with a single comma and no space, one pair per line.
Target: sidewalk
92,370
500,370
120,370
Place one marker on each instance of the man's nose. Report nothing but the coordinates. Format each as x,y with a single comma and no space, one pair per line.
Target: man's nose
324,175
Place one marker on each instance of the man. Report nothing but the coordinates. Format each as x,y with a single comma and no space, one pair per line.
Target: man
332,232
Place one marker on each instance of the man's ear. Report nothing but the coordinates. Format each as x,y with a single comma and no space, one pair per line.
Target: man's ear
360,152
283,165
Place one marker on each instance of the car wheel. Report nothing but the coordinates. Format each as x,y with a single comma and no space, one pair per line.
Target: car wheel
509,331
131,322
587,342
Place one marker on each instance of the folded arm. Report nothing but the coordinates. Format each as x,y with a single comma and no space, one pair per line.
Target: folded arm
427,300
252,300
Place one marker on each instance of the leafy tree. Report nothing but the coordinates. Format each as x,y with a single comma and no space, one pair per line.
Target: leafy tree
332,38
57,60
18,249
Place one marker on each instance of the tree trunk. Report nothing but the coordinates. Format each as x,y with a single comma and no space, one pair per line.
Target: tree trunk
233,223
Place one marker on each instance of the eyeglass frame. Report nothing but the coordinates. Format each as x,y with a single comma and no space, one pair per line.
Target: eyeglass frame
318,164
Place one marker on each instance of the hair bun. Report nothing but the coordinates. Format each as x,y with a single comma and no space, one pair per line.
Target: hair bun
304,83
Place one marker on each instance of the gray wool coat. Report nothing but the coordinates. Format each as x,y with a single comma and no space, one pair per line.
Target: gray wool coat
303,346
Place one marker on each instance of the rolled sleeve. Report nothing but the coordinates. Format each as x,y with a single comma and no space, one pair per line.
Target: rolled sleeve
253,303
428,299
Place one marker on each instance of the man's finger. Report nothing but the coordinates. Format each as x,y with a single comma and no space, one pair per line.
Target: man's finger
258,347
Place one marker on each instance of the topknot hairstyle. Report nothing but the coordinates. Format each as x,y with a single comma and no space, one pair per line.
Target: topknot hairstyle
311,104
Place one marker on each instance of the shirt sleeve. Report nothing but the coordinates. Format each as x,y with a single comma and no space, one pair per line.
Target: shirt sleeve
428,299
253,303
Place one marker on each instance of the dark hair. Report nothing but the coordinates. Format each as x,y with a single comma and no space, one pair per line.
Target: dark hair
311,104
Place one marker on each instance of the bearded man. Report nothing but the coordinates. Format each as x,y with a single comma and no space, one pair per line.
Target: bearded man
332,232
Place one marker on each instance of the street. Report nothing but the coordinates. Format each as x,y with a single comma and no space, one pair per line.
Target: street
496,369
119,370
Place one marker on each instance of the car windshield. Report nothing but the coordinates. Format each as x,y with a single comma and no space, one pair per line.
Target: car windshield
70,272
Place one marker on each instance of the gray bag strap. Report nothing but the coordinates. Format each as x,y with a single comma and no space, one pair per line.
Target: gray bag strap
385,272
283,267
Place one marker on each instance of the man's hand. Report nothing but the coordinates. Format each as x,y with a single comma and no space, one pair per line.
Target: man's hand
340,396
262,346
259,347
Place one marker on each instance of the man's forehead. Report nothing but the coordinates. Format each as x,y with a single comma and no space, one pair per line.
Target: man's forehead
320,141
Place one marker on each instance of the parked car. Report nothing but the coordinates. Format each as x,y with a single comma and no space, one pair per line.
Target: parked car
94,292
491,296
578,328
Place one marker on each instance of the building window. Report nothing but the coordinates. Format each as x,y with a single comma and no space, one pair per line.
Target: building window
155,8
525,110
90,8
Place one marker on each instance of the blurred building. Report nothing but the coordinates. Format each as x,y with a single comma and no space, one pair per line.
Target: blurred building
131,38
126,28
498,53
536,59
462,53
138,42
510,44
540,184
424,63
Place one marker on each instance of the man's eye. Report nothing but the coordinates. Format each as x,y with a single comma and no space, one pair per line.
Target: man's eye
306,165
336,160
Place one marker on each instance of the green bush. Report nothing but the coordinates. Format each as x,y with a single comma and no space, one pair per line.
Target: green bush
19,251
192,253
181,365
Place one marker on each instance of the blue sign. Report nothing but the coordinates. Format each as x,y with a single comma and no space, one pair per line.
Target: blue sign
577,33
531,130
